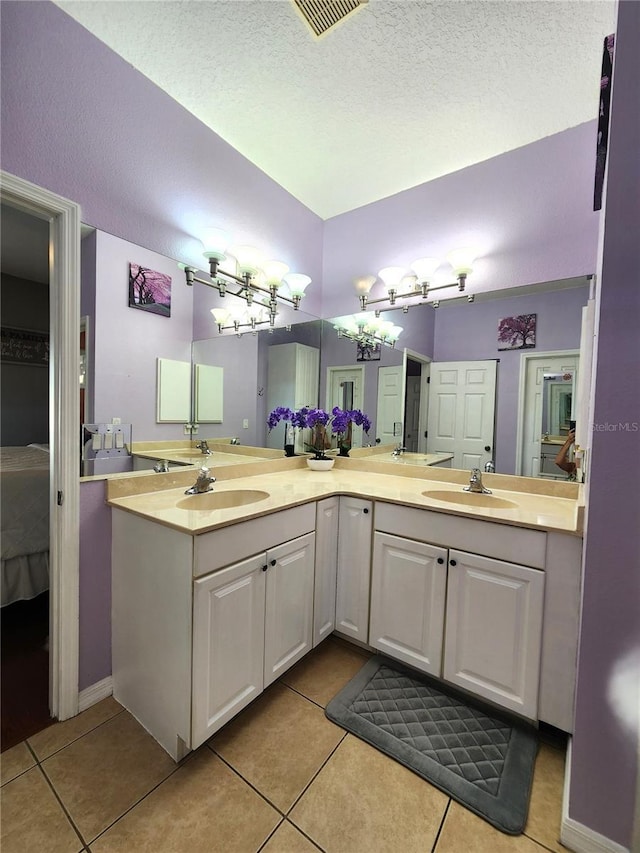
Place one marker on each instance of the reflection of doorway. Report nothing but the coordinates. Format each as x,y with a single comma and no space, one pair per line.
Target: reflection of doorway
530,406
416,405
345,388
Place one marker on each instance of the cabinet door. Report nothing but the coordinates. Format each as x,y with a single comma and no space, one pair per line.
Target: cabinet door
324,597
494,630
408,590
288,630
354,568
228,637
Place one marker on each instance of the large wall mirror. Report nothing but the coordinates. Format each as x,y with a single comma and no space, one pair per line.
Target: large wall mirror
392,386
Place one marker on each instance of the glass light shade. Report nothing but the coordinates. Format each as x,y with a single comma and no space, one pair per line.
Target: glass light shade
274,272
297,282
257,312
384,327
363,284
394,332
249,259
424,268
221,316
392,276
462,260
215,242
409,283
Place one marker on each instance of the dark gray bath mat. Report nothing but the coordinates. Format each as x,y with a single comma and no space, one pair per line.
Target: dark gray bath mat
480,758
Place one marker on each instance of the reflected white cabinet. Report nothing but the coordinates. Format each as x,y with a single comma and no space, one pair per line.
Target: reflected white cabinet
408,590
354,568
292,381
324,613
494,630
251,622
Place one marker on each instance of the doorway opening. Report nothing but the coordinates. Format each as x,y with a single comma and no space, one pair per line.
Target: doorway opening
60,353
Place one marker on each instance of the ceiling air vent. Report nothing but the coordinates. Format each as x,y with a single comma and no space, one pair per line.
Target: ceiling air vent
321,15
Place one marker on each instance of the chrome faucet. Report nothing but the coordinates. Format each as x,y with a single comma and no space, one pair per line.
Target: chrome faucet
399,450
161,466
203,447
235,440
202,484
475,483
490,467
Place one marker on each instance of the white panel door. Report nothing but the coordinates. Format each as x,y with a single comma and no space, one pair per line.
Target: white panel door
533,395
228,637
324,597
462,411
354,568
408,590
390,409
288,627
494,630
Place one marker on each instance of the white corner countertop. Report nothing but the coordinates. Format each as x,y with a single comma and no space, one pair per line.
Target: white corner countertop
537,504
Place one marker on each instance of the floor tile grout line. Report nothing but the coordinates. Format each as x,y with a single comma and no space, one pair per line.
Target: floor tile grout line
136,804
63,807
75,739
296,828
314,777
247,782
299,693
440,828
539,843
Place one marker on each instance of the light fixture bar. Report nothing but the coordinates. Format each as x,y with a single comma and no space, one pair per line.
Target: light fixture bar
246,292
424,292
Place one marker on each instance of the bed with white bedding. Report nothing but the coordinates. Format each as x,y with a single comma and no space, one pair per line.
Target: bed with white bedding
24,513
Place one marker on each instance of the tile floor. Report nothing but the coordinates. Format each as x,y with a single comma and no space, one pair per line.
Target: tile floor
280,778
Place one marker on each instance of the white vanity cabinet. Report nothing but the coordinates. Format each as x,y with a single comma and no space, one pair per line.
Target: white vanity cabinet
480,619
324,611
408,591
494,630
201,624
251,622
354,568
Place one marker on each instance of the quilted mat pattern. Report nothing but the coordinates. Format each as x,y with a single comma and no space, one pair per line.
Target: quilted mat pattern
457,736
478,756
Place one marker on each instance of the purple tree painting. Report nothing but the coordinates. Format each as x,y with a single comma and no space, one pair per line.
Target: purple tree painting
517,332
149,290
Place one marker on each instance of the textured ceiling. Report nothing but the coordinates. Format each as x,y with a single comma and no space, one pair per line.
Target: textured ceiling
399,93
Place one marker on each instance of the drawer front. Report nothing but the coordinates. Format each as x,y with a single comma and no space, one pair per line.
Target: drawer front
514,544
219,548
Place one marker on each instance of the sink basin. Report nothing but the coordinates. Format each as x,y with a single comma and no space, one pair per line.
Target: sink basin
221,500
471,499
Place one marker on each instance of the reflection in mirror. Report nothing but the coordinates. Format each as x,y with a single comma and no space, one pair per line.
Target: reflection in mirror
557,403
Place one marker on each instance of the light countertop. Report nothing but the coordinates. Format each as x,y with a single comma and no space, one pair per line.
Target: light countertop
538,504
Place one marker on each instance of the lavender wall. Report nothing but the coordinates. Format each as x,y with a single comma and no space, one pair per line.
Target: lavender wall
70,121
128,341
95,584
604,765
469,332
529,212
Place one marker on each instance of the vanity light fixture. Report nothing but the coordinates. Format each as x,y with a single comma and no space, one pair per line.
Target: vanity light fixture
367,330
254,277
416,283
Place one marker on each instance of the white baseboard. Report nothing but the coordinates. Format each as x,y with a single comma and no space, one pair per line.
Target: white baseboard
576,836
95,693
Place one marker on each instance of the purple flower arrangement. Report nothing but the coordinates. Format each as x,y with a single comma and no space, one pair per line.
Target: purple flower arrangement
318,420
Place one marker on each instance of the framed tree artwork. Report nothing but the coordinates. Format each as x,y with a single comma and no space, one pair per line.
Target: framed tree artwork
517,332
149,290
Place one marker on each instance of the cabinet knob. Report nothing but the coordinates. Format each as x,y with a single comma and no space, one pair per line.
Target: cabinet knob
453,562
273,562
441,560
487,447
265,567
365,511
